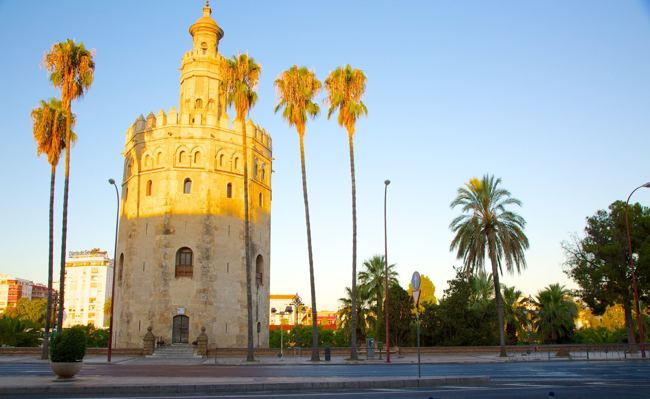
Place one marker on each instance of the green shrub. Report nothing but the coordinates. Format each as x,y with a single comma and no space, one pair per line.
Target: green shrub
68,346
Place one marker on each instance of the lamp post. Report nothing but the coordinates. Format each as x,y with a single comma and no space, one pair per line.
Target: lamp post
386,183
636,293
117,220
286,311
297,302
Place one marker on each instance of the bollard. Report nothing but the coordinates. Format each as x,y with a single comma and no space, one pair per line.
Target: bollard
328,354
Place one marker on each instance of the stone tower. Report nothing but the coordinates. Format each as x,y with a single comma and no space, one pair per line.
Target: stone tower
181,250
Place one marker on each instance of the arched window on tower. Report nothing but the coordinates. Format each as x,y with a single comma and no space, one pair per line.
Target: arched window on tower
158,158
236,163
229,190
198,104
261,200
259,270
184,263
187,186
263,173
197,157
149,186
204,48
221,158
255,168
181,157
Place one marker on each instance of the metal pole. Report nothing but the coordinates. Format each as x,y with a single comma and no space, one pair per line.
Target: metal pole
117,220
386,183
417,315
636,293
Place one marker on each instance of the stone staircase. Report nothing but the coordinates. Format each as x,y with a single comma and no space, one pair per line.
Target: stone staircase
175,351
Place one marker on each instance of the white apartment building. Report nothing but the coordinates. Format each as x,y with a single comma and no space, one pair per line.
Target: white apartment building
88,285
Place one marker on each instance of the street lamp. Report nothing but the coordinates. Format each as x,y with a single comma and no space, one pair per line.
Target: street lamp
297,302
386,183
117,219
636,294
286,311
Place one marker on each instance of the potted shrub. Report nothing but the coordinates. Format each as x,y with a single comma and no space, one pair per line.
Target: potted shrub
67,351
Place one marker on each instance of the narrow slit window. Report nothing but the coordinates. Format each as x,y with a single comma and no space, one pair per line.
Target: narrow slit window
149,186
187,186
229,190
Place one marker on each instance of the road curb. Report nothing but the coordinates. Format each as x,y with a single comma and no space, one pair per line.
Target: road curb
60,389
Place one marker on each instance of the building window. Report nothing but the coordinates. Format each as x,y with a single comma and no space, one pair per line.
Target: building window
149,185
181,157
261,200
121,268
158,159
263,174
259,270
236,163
204,48
197,157
184,266
198,104
229,190
187,186
221,160
255,169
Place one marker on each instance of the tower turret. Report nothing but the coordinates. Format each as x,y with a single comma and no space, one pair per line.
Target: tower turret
200,72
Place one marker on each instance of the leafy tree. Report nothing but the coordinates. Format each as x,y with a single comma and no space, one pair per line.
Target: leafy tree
32,311
49,126
240,77
107,311
599,262
513,313
486,228
371,280
400,315
296,89
95,337
17,331
557,314
454,322
427,292
362,313
71,68
345,88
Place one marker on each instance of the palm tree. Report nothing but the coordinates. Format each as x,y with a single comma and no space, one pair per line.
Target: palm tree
239,78
356,318
71,68
372,283
513,312
296,89
482,290
486,226
49,125
557,313
345,89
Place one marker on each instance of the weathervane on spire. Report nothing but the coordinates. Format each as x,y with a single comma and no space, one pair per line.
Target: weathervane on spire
207,3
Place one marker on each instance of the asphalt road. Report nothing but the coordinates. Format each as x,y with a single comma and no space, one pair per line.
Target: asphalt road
574,379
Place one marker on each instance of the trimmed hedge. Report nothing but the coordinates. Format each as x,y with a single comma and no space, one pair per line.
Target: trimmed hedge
68,346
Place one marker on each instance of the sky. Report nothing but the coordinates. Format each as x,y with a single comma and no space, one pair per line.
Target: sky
552,97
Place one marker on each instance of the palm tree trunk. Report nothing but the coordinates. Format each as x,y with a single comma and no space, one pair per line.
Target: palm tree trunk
497,295
353,336
64,233
314,345
249,296
50,271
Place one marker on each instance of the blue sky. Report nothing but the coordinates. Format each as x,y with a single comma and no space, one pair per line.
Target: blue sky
550,96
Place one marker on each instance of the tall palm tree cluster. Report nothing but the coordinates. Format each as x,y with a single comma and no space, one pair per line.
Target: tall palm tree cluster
296,88
71,70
